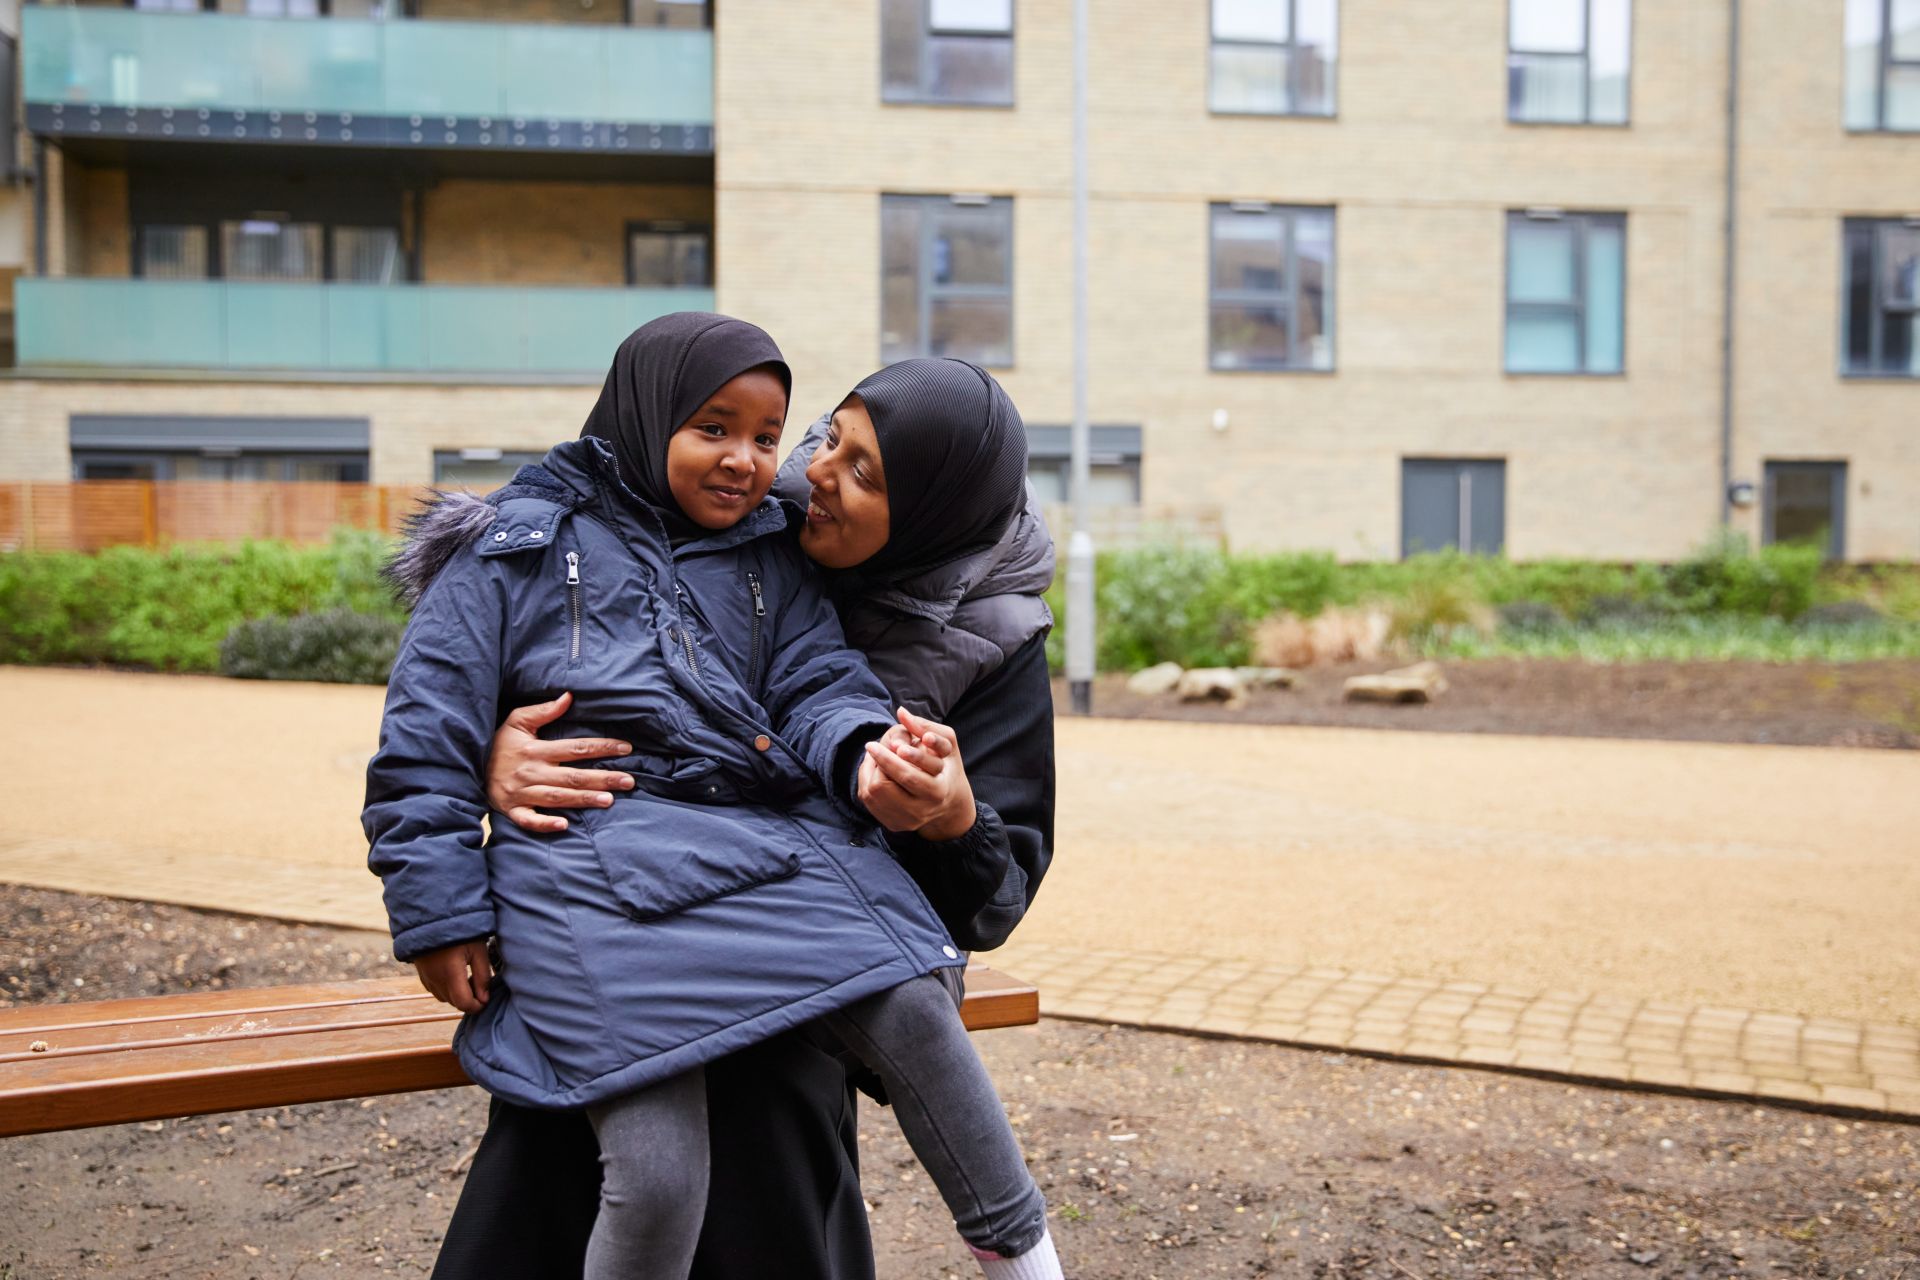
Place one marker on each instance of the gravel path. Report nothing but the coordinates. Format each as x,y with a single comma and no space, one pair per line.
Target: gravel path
1164,1157
1773,878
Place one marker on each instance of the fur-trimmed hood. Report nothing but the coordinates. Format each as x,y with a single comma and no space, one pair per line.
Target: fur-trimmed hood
431,535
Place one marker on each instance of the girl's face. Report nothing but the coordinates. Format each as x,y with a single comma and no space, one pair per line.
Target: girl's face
720,461
848,518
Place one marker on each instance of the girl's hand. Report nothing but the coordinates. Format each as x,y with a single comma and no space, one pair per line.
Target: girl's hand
914,780
525,770
458,975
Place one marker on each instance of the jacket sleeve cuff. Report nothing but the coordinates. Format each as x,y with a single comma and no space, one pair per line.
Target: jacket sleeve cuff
977,858
409,944
842,771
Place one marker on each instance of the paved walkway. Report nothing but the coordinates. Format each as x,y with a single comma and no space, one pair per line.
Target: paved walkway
1733,920
1870,1067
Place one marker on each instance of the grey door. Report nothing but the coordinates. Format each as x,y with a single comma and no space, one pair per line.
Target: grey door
1807,501
1448,503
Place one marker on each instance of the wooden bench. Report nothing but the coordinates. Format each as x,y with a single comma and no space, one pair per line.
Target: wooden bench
72,1066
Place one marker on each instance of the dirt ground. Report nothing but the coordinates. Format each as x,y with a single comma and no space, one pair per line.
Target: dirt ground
1164,1157
1866,704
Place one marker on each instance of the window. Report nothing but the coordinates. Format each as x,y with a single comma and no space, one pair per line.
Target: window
266,249
946,278
479,470
1274,57
669,255
269,248
956,51
1271,298
1568,61
1566,292
1882,297
218,463
1883,64
1453,504
1113,458
366,255
686,14
1807,502
172,253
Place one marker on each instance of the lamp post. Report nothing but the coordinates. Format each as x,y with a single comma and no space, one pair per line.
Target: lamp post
1080,562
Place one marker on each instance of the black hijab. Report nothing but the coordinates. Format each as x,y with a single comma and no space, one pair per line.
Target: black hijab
955,455
664,371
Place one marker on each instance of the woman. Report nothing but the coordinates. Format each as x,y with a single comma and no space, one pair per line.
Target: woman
918,511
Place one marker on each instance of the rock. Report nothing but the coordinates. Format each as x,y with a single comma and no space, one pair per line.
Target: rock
1155,680
1419,683
1213,684
1267,677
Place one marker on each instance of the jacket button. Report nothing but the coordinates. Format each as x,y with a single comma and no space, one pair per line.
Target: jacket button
762,742
949,953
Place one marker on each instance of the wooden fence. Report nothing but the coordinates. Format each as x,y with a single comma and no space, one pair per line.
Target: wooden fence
86,515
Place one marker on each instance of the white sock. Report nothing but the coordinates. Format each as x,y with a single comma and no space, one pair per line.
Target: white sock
1037,1263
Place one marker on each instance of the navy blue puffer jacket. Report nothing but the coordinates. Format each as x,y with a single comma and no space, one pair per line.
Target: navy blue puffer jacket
737,890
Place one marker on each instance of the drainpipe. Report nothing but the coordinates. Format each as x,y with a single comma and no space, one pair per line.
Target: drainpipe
1727,277
40,207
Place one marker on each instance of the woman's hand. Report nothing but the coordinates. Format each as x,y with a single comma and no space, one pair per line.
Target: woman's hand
914,780
458,975
525,770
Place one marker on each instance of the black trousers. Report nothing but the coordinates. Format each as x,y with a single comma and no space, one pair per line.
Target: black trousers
785,1196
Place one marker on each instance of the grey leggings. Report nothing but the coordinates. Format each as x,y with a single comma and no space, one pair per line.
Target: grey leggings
653,1144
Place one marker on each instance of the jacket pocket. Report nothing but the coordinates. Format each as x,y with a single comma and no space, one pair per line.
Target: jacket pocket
654,874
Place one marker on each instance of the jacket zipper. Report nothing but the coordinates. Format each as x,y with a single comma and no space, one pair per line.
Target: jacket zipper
753,642
573,603
686,636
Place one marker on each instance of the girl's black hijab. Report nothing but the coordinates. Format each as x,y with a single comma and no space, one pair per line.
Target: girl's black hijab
664,371
955,456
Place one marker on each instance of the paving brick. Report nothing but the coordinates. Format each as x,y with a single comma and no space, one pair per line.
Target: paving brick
1666,1076
1724,1081
1848,1096
1793,1090
1444,1050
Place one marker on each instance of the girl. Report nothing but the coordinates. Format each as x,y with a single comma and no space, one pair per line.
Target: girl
725,897
962,641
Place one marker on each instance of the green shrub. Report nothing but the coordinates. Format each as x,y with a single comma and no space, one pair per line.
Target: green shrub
1725,577
338,647
169,609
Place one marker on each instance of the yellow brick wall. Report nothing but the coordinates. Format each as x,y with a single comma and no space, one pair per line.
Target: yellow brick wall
1421,167
1801,173
544,232
571,11
408,421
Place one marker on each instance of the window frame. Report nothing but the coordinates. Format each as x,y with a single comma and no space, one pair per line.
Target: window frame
921,95
1290,267
217,259
922,345
1875,298
1837,475
1883,64
1585,56
1292,47
1462,467
667,226
1584,219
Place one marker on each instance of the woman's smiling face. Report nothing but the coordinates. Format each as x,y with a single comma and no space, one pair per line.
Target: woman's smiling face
848,518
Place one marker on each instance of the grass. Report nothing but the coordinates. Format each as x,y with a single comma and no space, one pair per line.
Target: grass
1687,639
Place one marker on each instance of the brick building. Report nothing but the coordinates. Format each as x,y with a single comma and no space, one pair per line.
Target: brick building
1365,276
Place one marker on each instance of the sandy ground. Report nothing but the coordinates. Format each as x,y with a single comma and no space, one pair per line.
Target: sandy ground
1163,1157
1765,877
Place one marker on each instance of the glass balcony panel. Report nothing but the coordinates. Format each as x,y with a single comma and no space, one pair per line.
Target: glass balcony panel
129,58
215,325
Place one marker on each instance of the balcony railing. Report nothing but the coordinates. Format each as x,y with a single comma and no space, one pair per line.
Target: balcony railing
227,325
115,72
